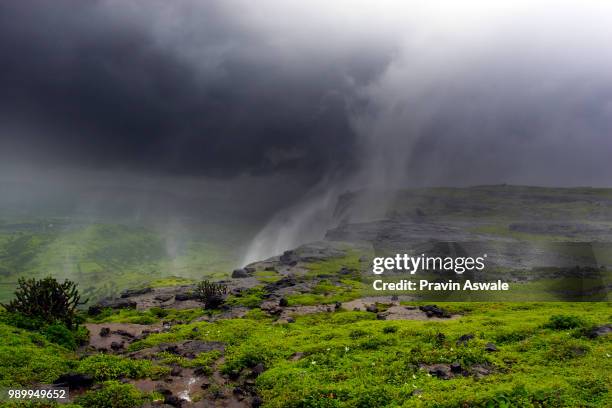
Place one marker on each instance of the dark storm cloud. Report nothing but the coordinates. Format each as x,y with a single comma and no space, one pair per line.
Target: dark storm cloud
182,88
398,93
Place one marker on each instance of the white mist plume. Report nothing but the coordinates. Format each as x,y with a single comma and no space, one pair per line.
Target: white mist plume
477,92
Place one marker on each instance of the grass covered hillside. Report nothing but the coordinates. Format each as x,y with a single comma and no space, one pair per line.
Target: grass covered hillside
106,258
543,355
305,329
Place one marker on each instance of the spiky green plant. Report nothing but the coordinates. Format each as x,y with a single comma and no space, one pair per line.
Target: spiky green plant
47,299
211,294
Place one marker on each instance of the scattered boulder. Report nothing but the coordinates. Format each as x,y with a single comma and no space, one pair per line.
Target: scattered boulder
111,304
173,400
205,384
74,380
164,297
176,371
185,295
240,273
289,258
258,370
239,393
480,370
135,292
456,367
116,345
124,333
290,320
104,332
599,331
256,402
372,308
296,356
490,347
163,391
463,340
345,271
283,302
284,282
434,311
237,292
441,371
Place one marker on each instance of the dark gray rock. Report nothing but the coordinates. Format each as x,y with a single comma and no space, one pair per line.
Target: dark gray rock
111,304
256,402
284,282
135,292
164,297
124,333
74,380
289,258
599,331
240,273
283,302
258,370
372,308
434,311
490,347
173,400
185,295
104,332
441,371
463,340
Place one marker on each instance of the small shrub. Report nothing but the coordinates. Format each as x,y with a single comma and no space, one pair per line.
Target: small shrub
113,395
23,322
60,334
390,329
564,322
357,333
47,299
566,349
108,367
158,312
211,294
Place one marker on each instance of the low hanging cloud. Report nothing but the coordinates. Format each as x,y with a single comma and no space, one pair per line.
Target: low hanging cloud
308,98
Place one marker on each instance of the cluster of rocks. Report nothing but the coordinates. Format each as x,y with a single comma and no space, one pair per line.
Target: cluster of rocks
448,371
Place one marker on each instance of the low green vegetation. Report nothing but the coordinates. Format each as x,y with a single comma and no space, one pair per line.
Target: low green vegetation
250,298
104,367
106,257
28,357
153,315
349,359
113,394
544,357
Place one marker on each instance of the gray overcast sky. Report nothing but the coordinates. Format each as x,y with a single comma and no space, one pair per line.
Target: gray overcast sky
415,92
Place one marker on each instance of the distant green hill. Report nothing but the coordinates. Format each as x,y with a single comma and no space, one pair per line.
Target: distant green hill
105,258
